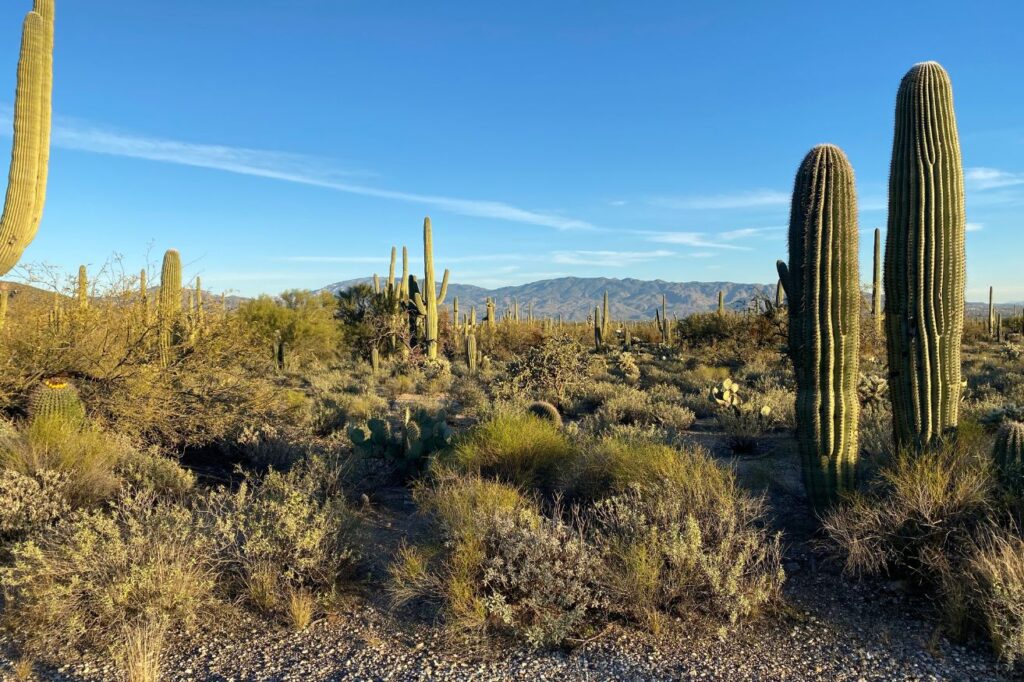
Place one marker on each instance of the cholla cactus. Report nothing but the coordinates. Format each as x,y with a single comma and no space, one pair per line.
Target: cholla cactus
872,391
56,399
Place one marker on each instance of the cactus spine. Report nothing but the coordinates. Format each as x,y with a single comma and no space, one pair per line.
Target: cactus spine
169,310
823,288
428,308
924,260
30,154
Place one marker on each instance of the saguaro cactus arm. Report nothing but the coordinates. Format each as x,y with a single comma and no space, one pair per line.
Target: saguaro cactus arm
26,188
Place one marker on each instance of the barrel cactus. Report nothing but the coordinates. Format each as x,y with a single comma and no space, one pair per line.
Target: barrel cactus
1008,452
924,260
823,288
545,410
57,400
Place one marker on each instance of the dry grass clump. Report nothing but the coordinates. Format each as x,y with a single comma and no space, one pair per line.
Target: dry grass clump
87,457
633,407
140,649
518,448
941,518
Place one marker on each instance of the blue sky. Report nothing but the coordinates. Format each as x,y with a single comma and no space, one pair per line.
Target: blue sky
277,148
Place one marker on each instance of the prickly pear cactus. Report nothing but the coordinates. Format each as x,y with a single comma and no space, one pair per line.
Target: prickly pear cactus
56,399
727,395
406,445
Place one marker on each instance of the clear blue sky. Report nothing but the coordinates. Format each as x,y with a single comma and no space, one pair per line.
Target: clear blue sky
288,144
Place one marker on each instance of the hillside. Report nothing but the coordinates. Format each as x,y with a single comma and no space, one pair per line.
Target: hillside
575,297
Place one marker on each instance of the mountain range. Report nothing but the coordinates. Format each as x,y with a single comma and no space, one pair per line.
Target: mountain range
574,298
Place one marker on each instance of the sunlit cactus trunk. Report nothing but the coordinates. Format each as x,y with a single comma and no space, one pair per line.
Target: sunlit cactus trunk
82,288
925,260
991,312
30,153
169,307
428,301
721,302
823,288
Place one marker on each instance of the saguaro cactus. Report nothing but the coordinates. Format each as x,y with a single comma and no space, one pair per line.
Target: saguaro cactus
143,298
876,283
606,325
721,302
83,288
169,309
30,153
428,301
823,287
924,260
991,312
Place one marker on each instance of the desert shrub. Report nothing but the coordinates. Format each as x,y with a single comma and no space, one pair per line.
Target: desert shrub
212,384
666,552
517,448
626,368
705,329
498,566
997,572
291,530
149,472
30,503
554,370
538,578
88,579
468,393
335,411
304,319
635,407
86,457
745,426
919,516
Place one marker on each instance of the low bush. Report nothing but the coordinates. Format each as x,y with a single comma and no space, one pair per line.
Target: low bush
87,580
518,448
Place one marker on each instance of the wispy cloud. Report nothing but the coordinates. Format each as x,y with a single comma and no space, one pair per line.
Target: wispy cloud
607,258
751,199
975,227
695,239
982,178
294,168
752,233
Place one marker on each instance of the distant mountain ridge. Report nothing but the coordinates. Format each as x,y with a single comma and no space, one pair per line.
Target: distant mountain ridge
575,297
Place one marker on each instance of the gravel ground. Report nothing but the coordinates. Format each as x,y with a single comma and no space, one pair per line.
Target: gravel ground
831,628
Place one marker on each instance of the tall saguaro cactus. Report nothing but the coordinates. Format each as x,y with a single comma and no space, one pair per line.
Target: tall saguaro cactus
30,153
823,287
83,288
876,283
428,302
924,260
169,310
